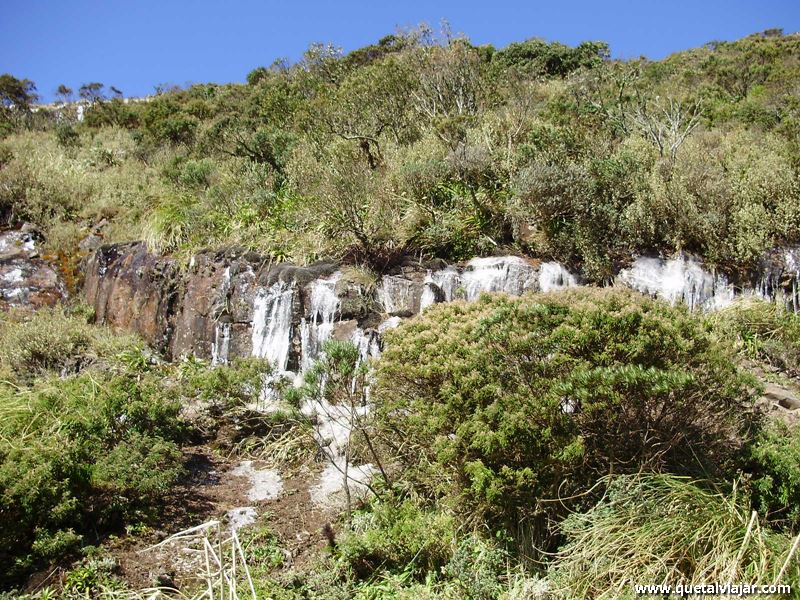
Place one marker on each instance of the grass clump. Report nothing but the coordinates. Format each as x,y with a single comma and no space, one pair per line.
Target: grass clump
661,529
764,331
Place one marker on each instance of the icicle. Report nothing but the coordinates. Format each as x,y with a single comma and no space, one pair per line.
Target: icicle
272,324
317,328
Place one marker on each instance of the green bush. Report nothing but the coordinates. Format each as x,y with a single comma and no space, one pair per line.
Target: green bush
508,404
82,454
67,137
397,535
774,471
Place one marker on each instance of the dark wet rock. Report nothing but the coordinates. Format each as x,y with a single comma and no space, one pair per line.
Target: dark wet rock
132,289
777,277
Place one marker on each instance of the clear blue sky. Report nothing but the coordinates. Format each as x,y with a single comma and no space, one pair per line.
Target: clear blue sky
136,44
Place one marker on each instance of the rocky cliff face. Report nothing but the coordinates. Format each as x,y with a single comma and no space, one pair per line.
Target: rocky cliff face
25,278
236,303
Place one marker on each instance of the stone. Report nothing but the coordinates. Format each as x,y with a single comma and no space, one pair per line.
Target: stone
90,243
781,396
26,280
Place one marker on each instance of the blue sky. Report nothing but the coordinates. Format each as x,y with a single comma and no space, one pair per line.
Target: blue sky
137,44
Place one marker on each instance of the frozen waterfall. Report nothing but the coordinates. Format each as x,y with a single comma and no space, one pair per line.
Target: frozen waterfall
220,347
272,324
678,280
317,327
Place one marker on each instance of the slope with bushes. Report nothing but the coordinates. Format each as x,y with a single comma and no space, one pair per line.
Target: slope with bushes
428,144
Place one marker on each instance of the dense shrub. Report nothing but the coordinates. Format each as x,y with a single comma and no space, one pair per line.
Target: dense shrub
511,403
426,143
774,472
81,454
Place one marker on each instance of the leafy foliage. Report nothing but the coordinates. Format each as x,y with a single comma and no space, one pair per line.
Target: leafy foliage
511,403
427,143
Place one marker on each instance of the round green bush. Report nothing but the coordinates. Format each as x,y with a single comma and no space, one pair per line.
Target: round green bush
520,404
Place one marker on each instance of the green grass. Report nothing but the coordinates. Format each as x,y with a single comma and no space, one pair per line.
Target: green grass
661,529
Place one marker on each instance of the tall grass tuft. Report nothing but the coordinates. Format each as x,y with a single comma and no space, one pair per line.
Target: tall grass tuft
662,529
764,330
170,222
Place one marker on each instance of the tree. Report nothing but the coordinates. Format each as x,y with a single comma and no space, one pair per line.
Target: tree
16,98
93,92
537,58
666,123
64,93
16,94
370,103
450,88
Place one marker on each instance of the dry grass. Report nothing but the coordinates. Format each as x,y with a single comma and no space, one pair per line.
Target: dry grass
225,575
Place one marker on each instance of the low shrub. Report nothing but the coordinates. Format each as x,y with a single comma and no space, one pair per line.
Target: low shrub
774,472
89,436
55,340
397,535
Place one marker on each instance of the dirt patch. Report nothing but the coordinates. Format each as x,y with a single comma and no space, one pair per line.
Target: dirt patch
299,523
222,489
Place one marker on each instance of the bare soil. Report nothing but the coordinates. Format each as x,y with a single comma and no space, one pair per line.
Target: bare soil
208,492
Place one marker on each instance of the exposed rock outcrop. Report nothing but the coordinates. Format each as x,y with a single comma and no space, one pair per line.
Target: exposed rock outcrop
25,278
237,303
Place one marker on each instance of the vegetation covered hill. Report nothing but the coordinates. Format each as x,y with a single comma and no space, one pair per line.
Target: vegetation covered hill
427,144
555,446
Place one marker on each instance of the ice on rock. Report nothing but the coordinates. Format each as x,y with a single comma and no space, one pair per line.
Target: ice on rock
678,280
220,347
398,295
440,286
317,327
553,276
272,324
241,517
509,274
13,276
331,484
